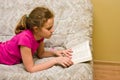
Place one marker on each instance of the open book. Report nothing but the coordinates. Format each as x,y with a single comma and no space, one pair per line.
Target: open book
81,53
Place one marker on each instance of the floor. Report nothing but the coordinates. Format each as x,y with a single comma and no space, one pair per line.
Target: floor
106,71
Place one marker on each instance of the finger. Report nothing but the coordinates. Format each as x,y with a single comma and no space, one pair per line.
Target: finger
68,63
67,54
70,50
64,65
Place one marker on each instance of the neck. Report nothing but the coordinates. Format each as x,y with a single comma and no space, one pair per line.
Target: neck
37,38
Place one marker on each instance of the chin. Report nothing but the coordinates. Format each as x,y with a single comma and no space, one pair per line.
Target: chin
48,37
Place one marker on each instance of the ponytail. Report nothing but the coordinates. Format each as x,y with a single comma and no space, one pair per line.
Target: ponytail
36,18
21,25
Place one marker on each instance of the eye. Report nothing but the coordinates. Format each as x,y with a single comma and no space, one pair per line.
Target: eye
49,28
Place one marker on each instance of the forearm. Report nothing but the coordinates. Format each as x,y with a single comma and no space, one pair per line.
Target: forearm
42,66
47,54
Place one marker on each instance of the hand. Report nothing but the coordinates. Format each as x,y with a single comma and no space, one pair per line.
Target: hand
63,61
63,53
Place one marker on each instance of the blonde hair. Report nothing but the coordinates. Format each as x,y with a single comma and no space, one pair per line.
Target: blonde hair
37,17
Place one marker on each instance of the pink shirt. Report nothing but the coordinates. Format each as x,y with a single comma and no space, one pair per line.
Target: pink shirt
10,50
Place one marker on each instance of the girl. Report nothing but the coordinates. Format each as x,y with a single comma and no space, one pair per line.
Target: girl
30,34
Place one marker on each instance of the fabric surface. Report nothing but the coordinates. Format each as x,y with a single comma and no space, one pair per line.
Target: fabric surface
81,71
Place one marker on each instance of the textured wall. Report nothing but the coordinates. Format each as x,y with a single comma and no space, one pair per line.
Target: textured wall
72,18
106,38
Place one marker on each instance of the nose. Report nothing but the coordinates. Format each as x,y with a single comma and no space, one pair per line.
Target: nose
52,30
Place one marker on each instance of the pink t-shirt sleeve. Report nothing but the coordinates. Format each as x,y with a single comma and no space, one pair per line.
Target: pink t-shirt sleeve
25,41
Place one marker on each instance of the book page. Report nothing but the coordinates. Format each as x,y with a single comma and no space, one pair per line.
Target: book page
81,52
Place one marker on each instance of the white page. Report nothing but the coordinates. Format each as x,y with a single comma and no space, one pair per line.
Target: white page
81,52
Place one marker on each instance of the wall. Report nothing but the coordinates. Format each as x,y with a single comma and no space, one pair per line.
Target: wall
106,30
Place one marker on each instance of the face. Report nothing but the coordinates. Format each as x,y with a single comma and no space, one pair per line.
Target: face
47,30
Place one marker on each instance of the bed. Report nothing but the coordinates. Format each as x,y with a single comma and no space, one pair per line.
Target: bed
73,25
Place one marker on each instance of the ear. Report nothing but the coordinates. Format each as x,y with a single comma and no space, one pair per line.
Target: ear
35,29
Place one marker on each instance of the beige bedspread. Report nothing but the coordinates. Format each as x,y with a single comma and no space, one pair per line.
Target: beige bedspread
80,71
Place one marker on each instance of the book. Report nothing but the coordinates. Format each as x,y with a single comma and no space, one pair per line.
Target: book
81,52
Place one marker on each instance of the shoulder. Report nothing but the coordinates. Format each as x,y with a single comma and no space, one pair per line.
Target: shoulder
25,38
25,33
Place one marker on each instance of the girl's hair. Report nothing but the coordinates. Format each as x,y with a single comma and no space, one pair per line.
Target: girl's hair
37,17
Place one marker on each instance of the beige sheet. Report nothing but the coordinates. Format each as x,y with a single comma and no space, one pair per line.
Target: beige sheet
80,71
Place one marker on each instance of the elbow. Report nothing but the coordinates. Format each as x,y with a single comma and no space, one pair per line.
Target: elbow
40,56
30,70
33,69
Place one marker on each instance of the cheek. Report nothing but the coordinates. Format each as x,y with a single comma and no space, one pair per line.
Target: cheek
46,33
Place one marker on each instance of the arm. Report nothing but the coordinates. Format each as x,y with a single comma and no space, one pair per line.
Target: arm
31,67
29,63
42,53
